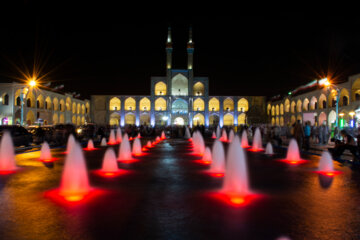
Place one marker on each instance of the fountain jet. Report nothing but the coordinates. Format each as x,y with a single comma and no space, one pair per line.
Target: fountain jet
224,137
293,154
7,154
136,147
213,135
218,132
326,165
231,136
112,139
163,136
45,153
103,142
118,135
70,143
125,149
187,133
244,140
217,167
90,146
257,141
269,149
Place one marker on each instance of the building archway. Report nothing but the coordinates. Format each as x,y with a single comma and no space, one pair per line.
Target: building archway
322,101
30,118
214,119
55,119
130,119
130,104
160,89
160,104
145,104
145,119
179,85
228,119
179,121
322,118
114,104
355,90
114,119
198,119
214,105
331,118
313,103
242,119
344,97
199,105
306,104
243,105
198,89
179,106
287,105
228,104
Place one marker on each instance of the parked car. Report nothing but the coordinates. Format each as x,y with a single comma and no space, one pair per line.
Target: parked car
20,136
41,134
62,132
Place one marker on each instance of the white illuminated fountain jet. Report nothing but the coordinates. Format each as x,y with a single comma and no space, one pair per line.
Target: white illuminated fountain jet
224,137
293,153
269,149
217,167
103,142
109,165
257,141
125,149
207,156
45,153
74,182
112,138
187,134
139,135
163,136
90,145
136,147
218,132
118,135
213,135
236,181
244,139
231,136
7,154
326,165
199,145
70,143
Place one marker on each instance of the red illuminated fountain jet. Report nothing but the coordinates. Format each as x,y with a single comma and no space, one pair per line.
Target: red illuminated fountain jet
7,155
293,154
257,142
45,153
109,165
118,135
198,144
244,139
217,167
326,165
112,139
90,146
125,151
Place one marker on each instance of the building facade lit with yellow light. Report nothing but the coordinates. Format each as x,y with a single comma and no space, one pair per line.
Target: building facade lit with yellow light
318,105
40,106
178,98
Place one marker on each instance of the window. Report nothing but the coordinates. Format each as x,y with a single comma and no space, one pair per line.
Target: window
6,100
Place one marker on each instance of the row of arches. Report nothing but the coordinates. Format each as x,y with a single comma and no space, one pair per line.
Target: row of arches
323,118
160,104
42,102
56,118
179,87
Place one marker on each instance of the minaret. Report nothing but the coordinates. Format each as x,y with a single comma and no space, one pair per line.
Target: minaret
169,50
190,50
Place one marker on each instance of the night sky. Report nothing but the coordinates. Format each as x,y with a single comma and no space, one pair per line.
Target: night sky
103,52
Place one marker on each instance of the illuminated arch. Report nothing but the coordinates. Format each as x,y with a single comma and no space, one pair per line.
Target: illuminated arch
214,119
40,101
298,106
17,98
114,119
306,104
55,104
355,90
214,105
272,121
30,99
243,105
62,105
74,108
82,120
313,103
130,104
78,120
114,104
180,106
299,117
322,101
331,117
293,106
199,105
277,122
273,111
282,123
269,109
228,104
322,118
55,119
160,104
87,107
179,85
68,104
287,105
198,89
160,89
228,119
73,119
292,119
242,119
78,110
30,117
344,97
281,109
277,110
130,119
332,98
198,119
82,109
145,119
62,118
145,104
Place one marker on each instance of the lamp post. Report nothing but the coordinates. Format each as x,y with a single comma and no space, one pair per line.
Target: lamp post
23,93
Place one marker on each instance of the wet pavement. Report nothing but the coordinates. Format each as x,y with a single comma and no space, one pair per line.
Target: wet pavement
167,195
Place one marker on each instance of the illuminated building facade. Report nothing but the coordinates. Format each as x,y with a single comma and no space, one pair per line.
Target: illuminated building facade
178,98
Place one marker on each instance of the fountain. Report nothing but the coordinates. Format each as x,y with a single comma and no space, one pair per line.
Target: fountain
218,132
293,154
70,143
125,149
103,142
217,167
45,153
213,135
7,156
112,139
187,133
157,139
90,146
109,165
236,182
139,135
118,135
244,140
74,182
199,145
206,159
231,136
224,137
257,142
136,147
269,149
326,165
163,136
148,145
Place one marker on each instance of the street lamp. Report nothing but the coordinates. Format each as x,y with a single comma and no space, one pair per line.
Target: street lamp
23,93
329,85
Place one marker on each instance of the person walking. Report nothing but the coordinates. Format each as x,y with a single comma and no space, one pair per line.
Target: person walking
307,134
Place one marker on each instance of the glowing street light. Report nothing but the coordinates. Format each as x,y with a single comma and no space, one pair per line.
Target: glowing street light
23,93
326,82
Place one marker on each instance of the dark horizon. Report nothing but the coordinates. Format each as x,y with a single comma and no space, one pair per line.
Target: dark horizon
246,55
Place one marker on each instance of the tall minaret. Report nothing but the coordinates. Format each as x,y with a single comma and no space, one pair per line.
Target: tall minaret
169,50
190,50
